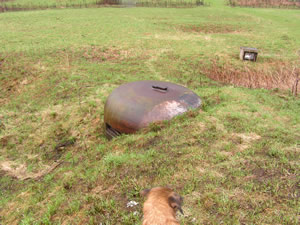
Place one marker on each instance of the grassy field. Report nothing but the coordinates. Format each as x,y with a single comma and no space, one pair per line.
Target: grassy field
235,161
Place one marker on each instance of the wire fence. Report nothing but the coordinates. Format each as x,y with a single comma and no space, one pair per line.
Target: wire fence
170,3
293,4
7,5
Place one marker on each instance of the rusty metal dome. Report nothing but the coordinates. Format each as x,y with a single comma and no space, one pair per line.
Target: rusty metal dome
135,105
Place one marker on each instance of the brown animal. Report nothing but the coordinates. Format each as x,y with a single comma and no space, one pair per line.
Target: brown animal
161,206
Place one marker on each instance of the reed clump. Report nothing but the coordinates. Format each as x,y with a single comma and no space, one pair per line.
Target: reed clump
281,76
265,3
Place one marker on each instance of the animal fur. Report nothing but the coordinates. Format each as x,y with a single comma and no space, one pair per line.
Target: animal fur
161,206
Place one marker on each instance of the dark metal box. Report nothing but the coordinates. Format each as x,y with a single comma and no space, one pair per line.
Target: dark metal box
247,53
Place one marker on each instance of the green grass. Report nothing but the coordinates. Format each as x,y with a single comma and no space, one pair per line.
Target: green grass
234,161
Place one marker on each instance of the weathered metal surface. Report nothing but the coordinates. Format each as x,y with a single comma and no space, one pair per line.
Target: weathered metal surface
135,105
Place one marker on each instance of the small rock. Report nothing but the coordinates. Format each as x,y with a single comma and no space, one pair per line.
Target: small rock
132,204
24,82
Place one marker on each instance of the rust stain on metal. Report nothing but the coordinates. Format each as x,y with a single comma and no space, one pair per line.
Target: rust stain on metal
135,105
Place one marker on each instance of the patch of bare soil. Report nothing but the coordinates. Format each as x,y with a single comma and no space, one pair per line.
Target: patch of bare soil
261,174
103,54
19,171
4,141
270,76
100,190
148,143
16,72
209,28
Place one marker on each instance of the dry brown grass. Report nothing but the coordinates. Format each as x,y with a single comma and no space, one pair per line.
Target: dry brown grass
281,76
19,171
102,54
209,28
265,3
23,72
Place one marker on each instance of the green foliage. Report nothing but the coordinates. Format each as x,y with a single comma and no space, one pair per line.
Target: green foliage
235,161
